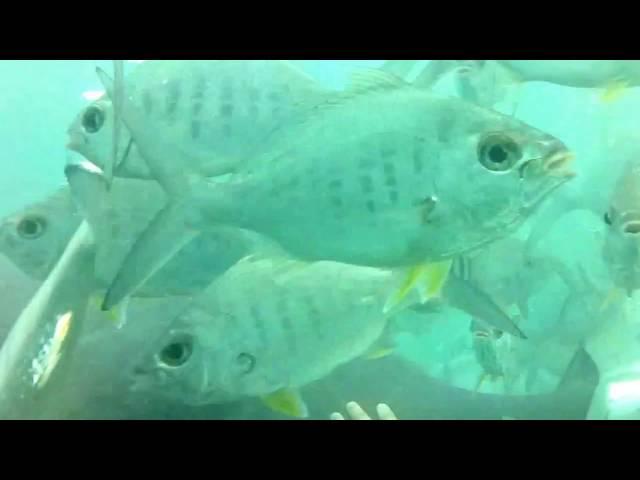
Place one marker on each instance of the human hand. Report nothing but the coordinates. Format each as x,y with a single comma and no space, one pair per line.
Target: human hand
356,412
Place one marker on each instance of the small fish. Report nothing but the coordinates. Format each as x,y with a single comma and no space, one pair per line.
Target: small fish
434,177
266,328
621,249
488,82
217,111
484,348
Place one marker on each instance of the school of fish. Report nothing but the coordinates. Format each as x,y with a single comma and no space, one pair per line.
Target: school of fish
301,229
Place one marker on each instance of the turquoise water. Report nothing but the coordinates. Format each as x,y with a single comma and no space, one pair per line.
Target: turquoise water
430,369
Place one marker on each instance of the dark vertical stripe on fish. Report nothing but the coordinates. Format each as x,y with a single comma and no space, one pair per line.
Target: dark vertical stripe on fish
173,97
259,324
147,102
198,99
314,317
282,312
418,160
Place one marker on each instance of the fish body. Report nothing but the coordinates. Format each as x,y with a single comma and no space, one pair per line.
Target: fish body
266,326
383,175
621,249
34,238
218,111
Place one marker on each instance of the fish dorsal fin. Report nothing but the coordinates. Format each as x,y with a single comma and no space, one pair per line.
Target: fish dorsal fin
366,80
362,82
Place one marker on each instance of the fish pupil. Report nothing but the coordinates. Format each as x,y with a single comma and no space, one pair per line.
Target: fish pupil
93,119
497,154
31,227
176,354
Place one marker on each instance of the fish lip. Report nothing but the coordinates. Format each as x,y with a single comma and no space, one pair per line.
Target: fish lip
559,164
76,140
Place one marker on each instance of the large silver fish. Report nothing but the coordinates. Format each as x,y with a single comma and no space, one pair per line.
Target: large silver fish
218,111
382,175
266,328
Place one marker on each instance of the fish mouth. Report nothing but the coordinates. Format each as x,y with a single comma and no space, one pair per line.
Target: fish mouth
559,165
76,141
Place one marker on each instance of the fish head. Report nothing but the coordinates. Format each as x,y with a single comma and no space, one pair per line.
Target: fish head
173,368
91,135
621,249
35,237
202,359
493,172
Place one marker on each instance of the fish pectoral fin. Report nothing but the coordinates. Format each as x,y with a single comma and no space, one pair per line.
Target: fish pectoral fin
161,240
427,278
614,91
288,402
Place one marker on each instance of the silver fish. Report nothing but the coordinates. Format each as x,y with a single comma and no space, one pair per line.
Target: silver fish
218,111
394,177
266,328
34,238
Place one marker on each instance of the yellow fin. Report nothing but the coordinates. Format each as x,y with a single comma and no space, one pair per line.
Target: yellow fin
288,402
377,353
614,295
613,91
117,315
428,278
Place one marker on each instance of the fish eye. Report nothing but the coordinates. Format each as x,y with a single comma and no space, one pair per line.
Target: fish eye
498,153
607,218
246,362
93,119
31,227
498,334
176,354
